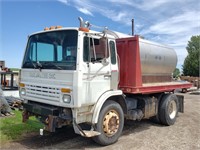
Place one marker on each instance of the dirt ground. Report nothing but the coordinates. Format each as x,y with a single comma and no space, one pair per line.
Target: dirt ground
144,135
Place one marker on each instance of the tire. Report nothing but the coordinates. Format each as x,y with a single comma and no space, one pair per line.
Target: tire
111,113
168,109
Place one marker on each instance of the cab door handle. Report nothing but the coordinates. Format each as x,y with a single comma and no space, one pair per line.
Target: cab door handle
107,76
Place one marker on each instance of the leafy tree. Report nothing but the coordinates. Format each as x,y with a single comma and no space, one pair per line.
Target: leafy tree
191,63
176,73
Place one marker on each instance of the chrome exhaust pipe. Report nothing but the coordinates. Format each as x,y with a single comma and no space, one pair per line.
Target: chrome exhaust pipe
81,22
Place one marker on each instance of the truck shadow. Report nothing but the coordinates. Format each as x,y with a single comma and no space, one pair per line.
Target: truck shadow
132,127
65,138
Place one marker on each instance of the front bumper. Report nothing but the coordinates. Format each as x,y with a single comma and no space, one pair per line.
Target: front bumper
53,117
41,110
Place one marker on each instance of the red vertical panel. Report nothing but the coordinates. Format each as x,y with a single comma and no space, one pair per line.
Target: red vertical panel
130,62
121,54
130,67
137,63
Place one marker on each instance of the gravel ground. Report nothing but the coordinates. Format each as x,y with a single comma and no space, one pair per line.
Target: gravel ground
144,135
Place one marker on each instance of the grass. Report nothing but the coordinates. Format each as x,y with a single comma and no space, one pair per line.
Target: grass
14,69
12,128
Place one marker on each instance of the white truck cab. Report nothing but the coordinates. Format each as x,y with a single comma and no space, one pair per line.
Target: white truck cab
67,74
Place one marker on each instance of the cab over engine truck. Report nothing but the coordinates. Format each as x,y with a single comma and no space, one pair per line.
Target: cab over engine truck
79,76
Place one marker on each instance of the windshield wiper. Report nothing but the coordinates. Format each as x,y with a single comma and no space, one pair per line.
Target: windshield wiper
39,65
52,65
30,62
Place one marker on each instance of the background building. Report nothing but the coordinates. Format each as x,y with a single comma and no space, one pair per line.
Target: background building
2,63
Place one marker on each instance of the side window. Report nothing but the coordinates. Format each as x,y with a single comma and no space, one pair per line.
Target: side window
112,51
86,49
102,49
95,49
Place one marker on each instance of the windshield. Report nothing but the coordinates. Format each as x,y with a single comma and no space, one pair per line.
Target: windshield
52,50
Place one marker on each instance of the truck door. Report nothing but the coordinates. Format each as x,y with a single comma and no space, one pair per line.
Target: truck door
97,66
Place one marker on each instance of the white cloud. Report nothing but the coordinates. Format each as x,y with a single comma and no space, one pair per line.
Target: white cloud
164,21
185,22
176,31
65,2
152,4
143,4
85,11
181,54
119,16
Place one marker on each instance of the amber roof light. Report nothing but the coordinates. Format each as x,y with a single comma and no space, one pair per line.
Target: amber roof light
84,29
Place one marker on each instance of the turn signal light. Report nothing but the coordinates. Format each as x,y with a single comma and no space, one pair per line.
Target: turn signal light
21,85
64,90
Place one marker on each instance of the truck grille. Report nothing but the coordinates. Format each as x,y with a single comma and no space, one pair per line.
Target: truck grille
43,92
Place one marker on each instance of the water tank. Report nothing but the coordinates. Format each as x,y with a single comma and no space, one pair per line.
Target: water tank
157,61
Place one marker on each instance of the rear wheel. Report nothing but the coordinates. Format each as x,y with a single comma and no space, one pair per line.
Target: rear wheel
110,123
168,109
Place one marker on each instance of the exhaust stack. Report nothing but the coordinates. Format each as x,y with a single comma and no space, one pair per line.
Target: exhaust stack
132,27
83,24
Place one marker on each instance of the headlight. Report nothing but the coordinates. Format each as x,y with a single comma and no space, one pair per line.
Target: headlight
66,98
23,91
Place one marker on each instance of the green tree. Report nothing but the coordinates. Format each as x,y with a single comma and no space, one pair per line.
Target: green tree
176,73
191,63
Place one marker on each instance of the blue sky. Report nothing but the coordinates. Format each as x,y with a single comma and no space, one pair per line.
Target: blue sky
170,22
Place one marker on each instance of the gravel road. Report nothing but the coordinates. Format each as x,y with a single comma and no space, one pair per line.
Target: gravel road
144,135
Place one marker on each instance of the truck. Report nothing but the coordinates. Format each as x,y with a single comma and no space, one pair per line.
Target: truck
95,80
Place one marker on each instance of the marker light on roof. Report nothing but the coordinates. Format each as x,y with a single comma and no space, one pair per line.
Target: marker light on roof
52,27
45,29
58,27
84,29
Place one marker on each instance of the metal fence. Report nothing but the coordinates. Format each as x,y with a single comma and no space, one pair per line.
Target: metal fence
9,80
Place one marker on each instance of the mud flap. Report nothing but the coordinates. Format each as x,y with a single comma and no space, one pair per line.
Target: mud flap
180,103
90,133
25,116
84,133
50,123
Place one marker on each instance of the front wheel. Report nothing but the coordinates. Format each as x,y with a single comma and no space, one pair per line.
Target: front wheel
110,123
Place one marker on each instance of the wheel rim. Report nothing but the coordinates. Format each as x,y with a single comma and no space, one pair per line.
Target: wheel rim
111,123
172,109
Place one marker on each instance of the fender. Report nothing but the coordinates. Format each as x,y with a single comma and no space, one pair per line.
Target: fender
97,107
